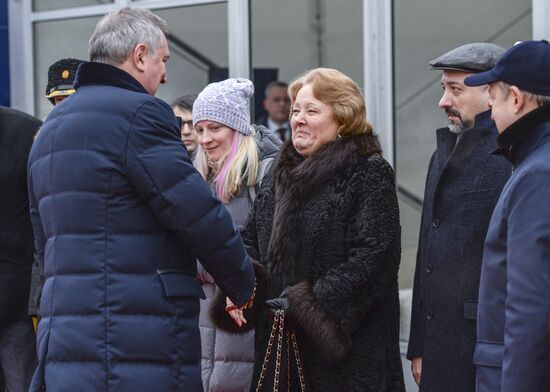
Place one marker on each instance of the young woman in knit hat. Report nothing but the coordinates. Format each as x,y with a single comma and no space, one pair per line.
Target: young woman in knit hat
233,157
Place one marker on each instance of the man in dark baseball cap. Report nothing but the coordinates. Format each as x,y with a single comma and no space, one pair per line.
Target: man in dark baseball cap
60,79
513,331
463,184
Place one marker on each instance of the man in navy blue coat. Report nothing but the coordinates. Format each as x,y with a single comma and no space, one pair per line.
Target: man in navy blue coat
120,216
513,331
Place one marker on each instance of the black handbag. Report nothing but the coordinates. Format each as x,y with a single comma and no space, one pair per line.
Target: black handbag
278,334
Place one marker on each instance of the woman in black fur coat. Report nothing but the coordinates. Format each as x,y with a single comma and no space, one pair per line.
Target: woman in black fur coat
325,226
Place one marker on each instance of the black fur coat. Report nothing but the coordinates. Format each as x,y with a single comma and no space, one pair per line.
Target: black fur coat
328,227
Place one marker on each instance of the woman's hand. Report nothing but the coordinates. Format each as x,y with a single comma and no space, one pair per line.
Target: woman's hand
235,313
271,307
416,367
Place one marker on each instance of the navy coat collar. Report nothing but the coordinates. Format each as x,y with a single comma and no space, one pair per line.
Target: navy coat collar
104,74
446,140
516,141
451,156
481,122
483,127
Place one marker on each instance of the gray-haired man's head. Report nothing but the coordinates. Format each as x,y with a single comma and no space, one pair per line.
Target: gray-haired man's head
119,32
133,39
460,102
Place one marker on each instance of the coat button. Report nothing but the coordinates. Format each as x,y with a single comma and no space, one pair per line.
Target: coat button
430,315
435,222
429,268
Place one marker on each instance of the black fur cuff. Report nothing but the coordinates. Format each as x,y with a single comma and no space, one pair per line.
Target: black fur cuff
221,318
322,330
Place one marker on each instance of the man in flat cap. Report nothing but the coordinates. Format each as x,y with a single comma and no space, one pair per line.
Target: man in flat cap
513,332
463,184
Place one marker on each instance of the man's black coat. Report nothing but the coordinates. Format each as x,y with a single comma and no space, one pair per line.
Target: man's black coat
463,184
17,131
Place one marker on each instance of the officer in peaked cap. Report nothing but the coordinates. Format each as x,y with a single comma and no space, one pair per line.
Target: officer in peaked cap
462,187
60,79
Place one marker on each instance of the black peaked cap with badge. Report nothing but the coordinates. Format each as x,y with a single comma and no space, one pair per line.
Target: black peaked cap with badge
61,76
475,57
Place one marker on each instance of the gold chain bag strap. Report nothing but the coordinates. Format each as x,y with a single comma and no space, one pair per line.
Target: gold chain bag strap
277,333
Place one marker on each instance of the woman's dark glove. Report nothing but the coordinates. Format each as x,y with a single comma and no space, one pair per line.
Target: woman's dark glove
272,305
280,303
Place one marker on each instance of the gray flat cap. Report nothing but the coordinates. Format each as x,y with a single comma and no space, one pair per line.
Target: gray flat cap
476,57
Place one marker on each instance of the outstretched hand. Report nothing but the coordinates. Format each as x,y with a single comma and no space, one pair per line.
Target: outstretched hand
236,314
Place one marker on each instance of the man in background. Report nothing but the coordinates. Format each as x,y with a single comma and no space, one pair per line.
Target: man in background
17,339
277,106
183,108
463,183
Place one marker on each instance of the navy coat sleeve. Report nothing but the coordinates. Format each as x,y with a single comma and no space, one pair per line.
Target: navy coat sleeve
162,174
526,361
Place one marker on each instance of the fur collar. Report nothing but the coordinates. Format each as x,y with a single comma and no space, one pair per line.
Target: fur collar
296,178
308,174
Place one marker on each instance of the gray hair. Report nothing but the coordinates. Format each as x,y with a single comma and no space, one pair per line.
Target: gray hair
119,32
540,100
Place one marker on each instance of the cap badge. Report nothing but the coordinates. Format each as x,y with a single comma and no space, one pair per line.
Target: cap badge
65,74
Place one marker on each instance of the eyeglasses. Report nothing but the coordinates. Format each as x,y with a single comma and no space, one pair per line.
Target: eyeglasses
189,123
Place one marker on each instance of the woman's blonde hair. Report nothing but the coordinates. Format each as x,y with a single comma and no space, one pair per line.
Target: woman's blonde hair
341,93
239,165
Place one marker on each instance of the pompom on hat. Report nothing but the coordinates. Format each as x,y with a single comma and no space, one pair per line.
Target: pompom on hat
226,102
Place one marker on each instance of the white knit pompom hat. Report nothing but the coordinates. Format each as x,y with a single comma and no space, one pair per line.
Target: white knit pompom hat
226,102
